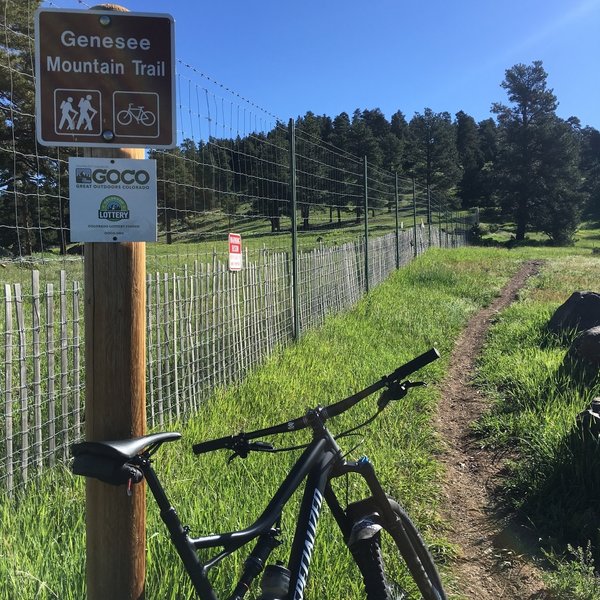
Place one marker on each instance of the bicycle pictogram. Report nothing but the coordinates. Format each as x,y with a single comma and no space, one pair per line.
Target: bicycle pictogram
136,114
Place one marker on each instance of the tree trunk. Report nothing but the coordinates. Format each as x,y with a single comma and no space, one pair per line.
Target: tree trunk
305,212
27,245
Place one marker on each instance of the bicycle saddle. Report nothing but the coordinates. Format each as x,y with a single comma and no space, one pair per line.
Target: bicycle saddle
123,449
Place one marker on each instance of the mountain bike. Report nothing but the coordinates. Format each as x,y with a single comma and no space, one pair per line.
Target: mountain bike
376,530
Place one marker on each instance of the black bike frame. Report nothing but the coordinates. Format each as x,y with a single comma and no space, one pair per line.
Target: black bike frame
319,463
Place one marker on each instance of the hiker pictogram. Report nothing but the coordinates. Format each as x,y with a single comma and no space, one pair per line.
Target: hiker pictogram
86,113
77,111
67,111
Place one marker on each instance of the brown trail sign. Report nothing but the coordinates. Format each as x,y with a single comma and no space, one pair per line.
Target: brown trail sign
104,79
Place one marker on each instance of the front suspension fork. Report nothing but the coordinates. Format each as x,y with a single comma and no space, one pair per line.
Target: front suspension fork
364,468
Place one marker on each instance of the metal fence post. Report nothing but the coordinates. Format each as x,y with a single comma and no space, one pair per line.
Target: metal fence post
416,251
366,204
397,221
429,215
294,199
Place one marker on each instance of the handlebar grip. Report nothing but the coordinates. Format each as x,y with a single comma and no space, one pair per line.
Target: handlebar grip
415,364
218,444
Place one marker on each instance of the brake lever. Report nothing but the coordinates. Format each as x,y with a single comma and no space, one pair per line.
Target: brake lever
243,447
261,446
397,391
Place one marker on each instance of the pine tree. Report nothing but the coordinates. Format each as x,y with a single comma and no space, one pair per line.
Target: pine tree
590,167
311,167
538,176
17,101
340,135
561,183
432,156
28,185
363,139
399,129
341,138
470,157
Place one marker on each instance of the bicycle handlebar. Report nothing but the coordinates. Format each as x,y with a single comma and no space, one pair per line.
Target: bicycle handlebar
232,442
405,370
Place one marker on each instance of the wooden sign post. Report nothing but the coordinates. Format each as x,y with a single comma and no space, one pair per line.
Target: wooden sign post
115,356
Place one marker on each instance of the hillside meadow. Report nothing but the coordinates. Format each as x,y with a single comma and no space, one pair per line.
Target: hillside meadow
428,303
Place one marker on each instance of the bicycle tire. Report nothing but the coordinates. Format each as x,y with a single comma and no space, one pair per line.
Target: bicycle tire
124,118
147,118
379,547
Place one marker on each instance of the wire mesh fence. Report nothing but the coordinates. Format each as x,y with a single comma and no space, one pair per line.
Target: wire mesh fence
319,227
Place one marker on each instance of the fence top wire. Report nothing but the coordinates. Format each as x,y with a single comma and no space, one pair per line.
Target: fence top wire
242,100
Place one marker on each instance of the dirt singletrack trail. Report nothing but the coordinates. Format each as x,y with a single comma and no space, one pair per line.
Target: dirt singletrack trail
490,563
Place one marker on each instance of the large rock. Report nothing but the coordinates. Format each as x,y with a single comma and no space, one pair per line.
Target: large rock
586,346
582,360
581,311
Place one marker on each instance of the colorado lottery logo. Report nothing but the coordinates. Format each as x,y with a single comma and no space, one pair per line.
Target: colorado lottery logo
113,208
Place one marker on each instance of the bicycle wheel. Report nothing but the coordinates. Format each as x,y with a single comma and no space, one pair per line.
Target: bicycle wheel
124,117
378,548
147,118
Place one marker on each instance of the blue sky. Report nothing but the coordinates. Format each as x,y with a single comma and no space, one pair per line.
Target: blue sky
330,56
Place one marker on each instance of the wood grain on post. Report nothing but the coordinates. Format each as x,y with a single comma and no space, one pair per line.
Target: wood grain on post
115,353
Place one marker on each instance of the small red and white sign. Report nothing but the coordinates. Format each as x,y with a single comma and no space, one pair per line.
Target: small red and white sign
235,252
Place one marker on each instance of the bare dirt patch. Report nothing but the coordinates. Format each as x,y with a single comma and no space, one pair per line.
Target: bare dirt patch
491,563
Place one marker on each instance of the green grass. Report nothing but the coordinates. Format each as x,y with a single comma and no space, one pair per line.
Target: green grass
574,577
428,303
